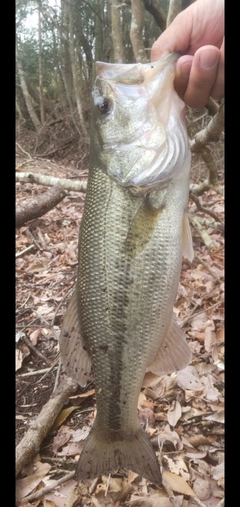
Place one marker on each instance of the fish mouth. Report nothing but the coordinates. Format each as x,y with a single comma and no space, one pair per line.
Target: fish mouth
132,73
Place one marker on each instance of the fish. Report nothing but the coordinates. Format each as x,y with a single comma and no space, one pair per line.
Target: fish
133,234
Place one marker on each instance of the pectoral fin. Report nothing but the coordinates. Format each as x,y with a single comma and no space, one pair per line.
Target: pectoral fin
174,353
75,358
187,239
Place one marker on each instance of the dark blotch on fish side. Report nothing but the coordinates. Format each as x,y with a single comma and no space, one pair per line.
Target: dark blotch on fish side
103,347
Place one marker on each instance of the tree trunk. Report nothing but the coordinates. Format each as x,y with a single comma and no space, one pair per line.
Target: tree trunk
107,39
27,97
155,8
99,33
117,37
19,111
83,41
66,61
137,24
175,6
40,63
157,12
74,66
48,105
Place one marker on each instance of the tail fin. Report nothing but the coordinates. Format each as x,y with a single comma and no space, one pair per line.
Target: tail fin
105,453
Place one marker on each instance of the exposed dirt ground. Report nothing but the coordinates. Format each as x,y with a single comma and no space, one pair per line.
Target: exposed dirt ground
184,410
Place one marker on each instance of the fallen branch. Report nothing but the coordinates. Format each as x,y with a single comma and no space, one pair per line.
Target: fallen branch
37,372
193,314
212,107
25,153
207,222
38,494
34,350
203,187
211,165
203,208
49,181
18,254
197,501
207,267
31,442
39,206
211,133
207,240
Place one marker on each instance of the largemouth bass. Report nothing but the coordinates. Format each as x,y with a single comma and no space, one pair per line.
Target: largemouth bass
133,234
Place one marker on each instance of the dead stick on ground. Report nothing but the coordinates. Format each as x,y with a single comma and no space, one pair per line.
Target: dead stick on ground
203,208
43,179
31,442
18,254
34,350
206,266
50,487
40,205
199,313
38,372
197,501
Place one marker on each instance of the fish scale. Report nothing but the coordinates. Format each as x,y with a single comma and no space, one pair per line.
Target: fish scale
130,251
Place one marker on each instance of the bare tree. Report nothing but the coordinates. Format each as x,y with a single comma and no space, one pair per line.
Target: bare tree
42,113
137,23
26,95
74,66
117,32
175,6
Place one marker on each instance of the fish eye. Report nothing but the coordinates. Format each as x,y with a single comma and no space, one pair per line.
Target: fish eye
104,106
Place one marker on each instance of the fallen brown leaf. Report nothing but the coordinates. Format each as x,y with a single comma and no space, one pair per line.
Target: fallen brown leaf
177,483
63,416
62,437
174,413
188,379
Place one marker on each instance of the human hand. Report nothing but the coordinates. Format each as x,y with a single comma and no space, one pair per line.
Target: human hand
197,33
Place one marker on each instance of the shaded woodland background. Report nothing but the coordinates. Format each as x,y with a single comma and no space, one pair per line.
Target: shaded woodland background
55,64
57,44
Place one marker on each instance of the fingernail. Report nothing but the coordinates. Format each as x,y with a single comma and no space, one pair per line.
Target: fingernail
208,59
185,69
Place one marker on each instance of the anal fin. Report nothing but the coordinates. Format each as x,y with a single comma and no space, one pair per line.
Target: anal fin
174,353
75,358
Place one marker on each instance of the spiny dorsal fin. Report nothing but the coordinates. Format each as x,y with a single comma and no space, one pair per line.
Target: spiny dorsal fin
174,353
187,239
75,358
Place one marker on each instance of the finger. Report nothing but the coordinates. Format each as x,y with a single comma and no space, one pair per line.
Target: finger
217,91
183,68
202,76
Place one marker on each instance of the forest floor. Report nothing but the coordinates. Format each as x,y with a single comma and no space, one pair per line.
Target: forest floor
182,412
